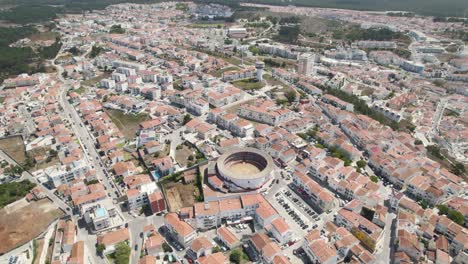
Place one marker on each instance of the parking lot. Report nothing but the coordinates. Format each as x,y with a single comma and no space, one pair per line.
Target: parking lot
305,208
296,217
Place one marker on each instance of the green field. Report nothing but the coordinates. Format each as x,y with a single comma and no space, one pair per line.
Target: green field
248,85
206,25
127,123
219,73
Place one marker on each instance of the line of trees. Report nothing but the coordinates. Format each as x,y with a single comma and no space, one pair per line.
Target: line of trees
454,215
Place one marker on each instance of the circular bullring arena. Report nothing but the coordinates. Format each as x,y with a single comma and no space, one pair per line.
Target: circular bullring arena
244,168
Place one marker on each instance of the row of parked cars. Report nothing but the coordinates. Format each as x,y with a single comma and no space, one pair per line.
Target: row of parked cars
172,241
292,212
301,204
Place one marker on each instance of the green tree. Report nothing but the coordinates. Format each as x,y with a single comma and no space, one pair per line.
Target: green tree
166,247
254,49
116,29
95,50
53,152
236,256
443,209
361,164
187,119
456,216
92,182
122,253
458,169
374,179
288,34
435,151
100,248
424,204
290,95
216,249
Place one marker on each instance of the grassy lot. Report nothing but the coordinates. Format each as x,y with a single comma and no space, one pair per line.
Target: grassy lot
272,81
234,61
80,90
95,80
20,225
206,25
14,147
250,84
219,73
127,123
229,59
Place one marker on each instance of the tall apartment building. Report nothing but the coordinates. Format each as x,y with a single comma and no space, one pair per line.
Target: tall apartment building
305,63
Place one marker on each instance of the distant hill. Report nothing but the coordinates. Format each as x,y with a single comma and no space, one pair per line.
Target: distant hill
31,11
423,7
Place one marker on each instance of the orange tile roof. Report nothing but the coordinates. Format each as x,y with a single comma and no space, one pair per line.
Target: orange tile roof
206,208
154,241
270,250
227,235
148,259
181,227
200,243
280,259
114,237
216,258
230,204
77,253
280,225
259,240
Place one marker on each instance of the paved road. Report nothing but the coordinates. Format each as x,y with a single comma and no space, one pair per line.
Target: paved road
135,227
86,140
383,250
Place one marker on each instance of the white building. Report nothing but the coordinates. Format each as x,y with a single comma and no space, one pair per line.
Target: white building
305,63
61,174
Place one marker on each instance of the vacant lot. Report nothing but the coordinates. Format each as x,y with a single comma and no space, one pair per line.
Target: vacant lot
272,81
219,73
95,80
44,36
23,224
180,195
182,155
249,84
127,123
14,147
42,151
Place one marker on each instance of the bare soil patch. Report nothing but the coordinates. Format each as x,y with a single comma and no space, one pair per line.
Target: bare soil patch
20,226
180,195
14,147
